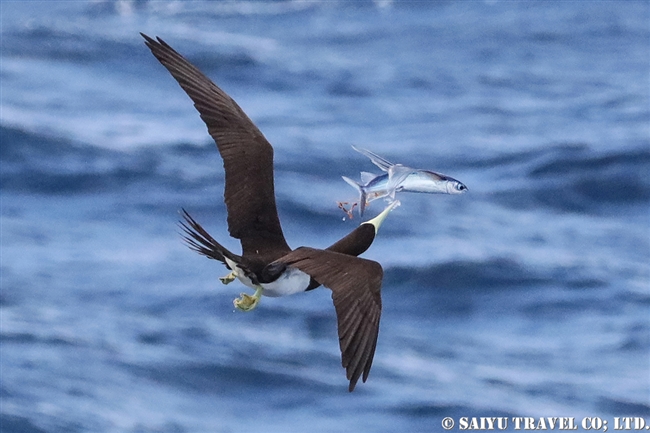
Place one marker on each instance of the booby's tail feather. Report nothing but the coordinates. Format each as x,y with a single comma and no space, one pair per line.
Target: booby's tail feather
362,193
199,240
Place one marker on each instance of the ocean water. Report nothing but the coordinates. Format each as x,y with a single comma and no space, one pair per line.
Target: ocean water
528,296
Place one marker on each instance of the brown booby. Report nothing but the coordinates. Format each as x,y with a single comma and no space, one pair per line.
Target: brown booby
267,264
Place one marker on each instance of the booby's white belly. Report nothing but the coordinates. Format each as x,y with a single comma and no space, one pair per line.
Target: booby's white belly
291,281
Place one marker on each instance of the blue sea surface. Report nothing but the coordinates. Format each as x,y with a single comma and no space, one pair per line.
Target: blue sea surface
527,296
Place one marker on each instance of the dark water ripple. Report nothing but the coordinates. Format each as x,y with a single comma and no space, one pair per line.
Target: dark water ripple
625,408
18,424
238,378
465,275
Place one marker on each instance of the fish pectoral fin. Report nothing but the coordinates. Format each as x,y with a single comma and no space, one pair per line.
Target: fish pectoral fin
397,174
379,161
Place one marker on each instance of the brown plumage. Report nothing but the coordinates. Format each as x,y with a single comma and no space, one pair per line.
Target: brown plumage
357,300
247,158
253,219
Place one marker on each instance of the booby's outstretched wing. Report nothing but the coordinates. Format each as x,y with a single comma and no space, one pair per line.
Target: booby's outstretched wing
356,292
247,158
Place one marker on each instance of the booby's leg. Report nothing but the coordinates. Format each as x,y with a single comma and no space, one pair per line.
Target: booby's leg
247,302
228,278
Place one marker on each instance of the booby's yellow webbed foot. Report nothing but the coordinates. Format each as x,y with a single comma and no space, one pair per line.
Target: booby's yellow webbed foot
228,278
247,302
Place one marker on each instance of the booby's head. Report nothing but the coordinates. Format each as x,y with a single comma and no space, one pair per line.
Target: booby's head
379,219
360,239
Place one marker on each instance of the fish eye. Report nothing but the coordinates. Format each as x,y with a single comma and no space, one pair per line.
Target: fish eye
461,187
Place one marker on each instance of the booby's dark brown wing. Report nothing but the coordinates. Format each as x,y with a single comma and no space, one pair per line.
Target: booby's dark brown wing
356,291
247,158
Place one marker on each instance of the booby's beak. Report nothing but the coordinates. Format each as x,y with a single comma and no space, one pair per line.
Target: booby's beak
379,219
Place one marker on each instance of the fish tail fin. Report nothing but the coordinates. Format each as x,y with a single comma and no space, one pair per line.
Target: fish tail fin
362,193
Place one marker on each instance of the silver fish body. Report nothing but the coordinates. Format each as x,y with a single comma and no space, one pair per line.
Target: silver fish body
399,178
430,182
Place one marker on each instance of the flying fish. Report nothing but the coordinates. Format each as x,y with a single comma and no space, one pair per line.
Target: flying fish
399,178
